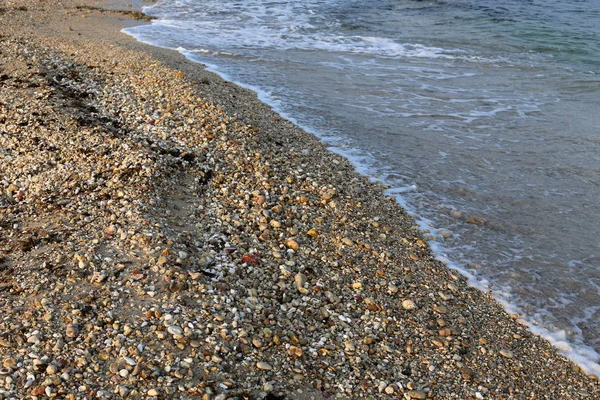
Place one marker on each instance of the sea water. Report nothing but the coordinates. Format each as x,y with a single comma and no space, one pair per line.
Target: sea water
482,115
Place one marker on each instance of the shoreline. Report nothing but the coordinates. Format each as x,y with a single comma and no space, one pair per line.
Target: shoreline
250,265
580,353
563,339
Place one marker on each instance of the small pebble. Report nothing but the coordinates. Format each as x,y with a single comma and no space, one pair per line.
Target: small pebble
264,366
416,394
408,305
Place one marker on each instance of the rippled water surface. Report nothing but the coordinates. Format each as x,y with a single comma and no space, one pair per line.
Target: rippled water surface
484,116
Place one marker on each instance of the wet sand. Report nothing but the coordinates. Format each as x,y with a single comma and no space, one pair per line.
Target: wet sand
163,234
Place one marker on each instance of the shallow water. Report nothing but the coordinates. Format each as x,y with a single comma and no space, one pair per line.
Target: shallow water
482,115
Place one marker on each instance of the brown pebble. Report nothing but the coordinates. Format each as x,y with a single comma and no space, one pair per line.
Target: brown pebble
506,353
466,373
440,309
347,242
300,280
162,260
416,394
409,305
38,390
444,332
294,352
312,233
72,331
264,366
292,244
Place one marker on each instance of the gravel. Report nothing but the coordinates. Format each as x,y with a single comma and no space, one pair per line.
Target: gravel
165,235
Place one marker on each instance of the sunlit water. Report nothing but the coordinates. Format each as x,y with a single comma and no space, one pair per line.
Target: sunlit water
484,115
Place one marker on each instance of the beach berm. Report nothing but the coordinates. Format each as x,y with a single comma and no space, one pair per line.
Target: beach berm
165,235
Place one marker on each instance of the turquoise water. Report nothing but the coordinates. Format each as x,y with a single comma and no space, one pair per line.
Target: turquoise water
473,111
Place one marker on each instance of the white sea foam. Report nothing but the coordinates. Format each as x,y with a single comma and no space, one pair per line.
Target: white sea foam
253,38
206,51
286,27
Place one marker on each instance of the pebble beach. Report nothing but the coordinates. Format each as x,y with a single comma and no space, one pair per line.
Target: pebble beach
165,235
